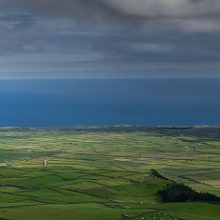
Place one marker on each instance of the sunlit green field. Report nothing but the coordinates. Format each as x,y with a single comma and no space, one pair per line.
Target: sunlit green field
105,173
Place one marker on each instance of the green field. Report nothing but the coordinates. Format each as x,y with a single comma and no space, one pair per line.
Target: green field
105,173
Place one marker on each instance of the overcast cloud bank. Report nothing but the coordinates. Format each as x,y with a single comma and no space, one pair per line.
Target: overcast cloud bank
109,38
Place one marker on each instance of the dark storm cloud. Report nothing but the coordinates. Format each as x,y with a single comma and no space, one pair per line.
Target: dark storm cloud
109,38
78,9
187,14
192,15
142,8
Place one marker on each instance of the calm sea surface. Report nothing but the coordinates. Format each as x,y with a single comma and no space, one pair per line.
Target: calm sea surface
107,102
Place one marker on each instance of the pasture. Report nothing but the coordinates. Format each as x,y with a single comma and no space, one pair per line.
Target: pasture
105,173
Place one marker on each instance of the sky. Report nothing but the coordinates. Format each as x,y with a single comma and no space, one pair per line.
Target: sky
109,39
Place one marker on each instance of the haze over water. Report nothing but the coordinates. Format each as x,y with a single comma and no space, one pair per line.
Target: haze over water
107,102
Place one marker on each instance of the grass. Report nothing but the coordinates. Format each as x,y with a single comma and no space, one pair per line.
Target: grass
97,173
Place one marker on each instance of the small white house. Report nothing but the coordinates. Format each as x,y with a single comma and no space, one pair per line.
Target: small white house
45,163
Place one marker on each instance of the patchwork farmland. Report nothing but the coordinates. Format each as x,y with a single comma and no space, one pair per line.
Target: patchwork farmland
107,173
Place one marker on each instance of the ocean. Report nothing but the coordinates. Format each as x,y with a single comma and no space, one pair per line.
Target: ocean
51,103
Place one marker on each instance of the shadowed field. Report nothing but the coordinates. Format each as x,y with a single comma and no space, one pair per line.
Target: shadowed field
106,173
